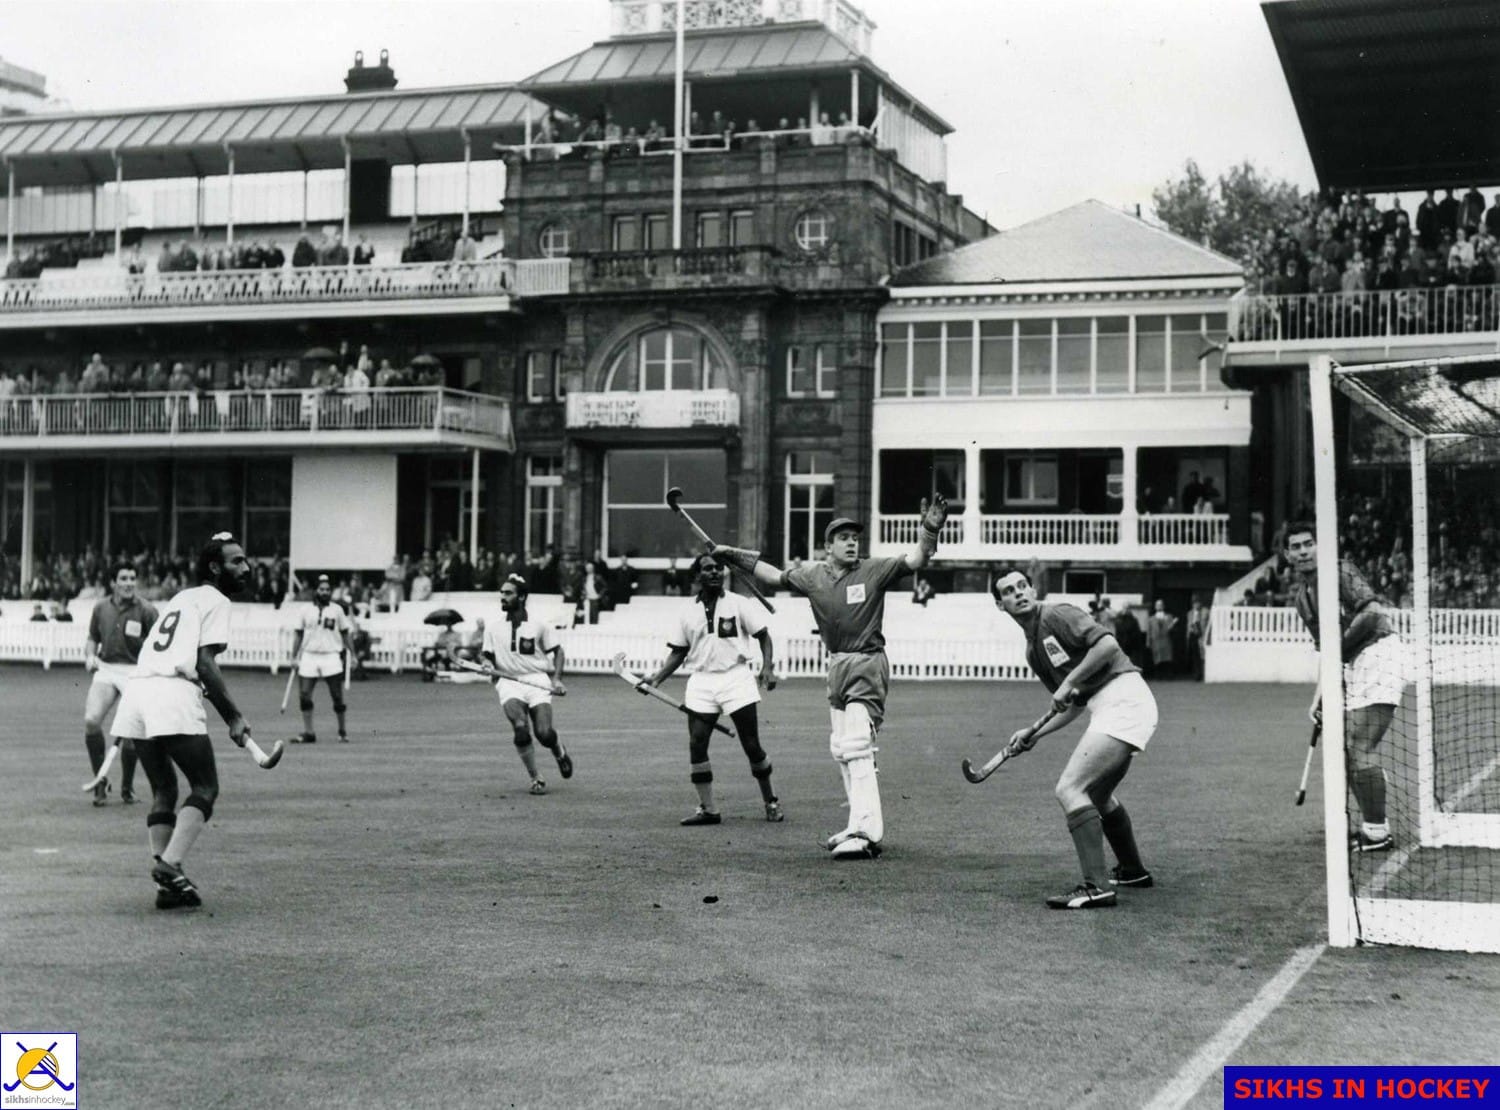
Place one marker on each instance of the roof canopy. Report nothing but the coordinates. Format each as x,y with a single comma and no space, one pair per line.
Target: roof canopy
1085,243
420,125
1394,94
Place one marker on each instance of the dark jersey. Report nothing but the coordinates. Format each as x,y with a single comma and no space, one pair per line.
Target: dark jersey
1058,639
1355,596
849,605
119,630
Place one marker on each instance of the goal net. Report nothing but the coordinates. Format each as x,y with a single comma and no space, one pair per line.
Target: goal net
1408,503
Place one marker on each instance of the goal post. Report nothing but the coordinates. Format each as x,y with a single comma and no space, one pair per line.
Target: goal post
1407,485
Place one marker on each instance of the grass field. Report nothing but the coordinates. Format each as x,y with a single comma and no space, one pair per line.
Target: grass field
396,922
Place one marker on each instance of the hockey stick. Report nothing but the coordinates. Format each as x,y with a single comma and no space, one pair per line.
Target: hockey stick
674,502
1007,752
1312,746
266,759
109,761
536,682
286,695
651,691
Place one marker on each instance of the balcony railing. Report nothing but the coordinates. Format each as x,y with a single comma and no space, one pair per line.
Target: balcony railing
307,411
1049,530
1184,528
906,530
1451,310
116,289
705,267
1103,536
716,408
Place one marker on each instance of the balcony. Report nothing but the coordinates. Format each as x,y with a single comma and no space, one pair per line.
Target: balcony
675,271
1448,318
703,408
1176,537
412,419
112,296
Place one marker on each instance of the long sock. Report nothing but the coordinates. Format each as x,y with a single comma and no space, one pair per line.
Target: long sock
864,799
1121,836
128,760
702,776
1369,790
528,757
762,772
190,822
307,728
94,741
1088,841
159,836
340,715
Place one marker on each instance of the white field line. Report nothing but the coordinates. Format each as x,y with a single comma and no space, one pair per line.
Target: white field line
1392,867
1216,1052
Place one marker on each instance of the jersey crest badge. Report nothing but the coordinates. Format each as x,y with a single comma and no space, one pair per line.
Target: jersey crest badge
132,628
854,595
1054,651
728,627
528,645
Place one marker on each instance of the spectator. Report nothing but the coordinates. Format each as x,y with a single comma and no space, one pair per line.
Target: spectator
921,590
421,584
37,614
1447,213
304,253
364,253
1192,492
1159,635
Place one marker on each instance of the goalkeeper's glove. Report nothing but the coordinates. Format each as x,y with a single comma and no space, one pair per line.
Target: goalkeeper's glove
741,558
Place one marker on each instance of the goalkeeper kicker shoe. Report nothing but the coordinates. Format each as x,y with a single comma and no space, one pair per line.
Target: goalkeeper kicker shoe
1084,896
1139,878
856,847
1365,842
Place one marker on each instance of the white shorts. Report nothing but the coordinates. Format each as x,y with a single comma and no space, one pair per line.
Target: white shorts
721,691
530,693
1377,676
116,676
1124,709
320,664
157,705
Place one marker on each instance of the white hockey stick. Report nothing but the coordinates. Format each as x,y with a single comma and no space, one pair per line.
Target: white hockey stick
109,761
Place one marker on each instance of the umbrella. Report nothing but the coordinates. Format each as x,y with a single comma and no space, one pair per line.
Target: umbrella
319,354
444,617
426,360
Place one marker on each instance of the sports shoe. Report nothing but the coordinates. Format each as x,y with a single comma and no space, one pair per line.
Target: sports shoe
564,762
174,889
304,738
101,793
127,795
343,738
702,817
1084,896
856,847
538,786
1141,878
1363,842
773,811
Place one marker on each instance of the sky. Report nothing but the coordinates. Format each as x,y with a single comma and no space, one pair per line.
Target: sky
1053,101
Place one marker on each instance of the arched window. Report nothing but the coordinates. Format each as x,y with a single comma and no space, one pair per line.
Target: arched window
663,359
813,230
554,241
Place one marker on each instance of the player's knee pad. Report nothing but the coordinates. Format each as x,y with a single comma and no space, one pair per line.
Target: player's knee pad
761,768
305,702
522,738
167,818
547,739
203,801
339,706
854,736
701,773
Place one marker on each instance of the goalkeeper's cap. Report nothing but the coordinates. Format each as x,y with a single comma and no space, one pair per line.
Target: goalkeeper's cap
840,524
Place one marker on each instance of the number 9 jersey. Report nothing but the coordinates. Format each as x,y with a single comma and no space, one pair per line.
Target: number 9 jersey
195,618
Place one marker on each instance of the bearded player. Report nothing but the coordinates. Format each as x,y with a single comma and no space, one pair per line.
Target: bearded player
162,711
1081,664
848,600
320,649
117,627
718,635
530,663
1373,674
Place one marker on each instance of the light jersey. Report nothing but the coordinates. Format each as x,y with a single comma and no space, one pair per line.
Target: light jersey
524,648
728,642
195,618
323,628
1057,641
849,605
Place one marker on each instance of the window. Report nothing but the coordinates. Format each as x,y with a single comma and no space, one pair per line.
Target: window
134,505
996,361
268,506
710,230
741,228
543,493
895,351
1150,354
1034,365
658,233
202,502
625,234
907,476
665,358
903,244
810,370
1113,358
926,360
544,376
1216,325
809,502
813,230
1188,339
958,373
637,520
1075,343
554,241
1031,479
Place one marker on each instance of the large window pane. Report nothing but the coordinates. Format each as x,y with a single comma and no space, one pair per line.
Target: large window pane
1035,367
926,355
637,477
702,474
654,360
995,356
1150,354
268,483
906,477
651,533
710,230
1114,354
1218,334
1187,341
1074,339
658,233
626,234
960,359
893,354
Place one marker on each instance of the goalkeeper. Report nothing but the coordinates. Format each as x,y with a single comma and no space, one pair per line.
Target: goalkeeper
847,594
1373,674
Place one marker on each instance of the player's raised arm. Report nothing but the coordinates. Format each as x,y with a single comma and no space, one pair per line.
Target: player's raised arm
748,561
933,516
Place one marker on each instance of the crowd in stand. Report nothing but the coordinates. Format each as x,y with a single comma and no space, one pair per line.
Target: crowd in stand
63,253
563,137
62,578
1342,245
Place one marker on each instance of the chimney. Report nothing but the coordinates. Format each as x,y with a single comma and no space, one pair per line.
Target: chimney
362,78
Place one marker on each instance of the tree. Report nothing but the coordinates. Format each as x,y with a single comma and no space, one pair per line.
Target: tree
1231,215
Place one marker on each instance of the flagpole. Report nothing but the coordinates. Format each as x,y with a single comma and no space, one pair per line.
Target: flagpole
678,144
